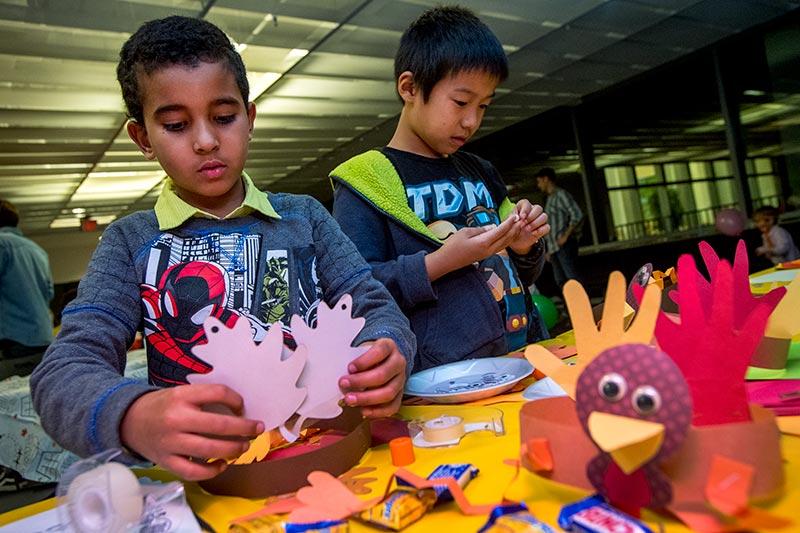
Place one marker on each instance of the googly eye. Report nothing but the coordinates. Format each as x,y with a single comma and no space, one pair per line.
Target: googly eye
646,400
612,387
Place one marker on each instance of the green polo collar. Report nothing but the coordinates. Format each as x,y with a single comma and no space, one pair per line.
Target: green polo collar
172,211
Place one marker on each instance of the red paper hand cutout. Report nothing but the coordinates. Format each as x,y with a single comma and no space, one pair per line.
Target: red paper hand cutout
708,347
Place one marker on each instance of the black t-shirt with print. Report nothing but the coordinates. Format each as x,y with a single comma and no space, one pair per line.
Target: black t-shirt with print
458,191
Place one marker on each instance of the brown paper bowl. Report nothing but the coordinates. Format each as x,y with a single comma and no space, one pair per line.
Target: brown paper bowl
771,352
288,473
556,420
756,443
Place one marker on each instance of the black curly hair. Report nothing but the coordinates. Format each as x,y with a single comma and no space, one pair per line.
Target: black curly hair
446,40
171,41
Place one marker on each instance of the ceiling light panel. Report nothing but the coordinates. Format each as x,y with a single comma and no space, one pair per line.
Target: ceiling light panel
96,15
57,74
347,66
329,88
271,105
40,40
357,40
310,9
77,120
269,58
634,53
681,34
574,43
289,32
734,14
101,186
620,17
42,99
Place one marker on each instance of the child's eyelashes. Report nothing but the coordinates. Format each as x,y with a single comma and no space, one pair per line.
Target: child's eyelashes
225,119
462,103
174,126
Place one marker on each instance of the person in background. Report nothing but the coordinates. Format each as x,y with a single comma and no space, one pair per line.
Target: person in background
778,245
26,288
566,221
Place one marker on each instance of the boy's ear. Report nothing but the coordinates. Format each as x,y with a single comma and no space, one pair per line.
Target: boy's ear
406,87
138,135
251,116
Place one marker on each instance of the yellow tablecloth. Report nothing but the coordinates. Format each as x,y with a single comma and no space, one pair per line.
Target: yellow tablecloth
485,451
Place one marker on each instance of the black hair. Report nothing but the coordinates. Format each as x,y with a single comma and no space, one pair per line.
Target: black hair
546,172
8,214
172,41
447,40
766,210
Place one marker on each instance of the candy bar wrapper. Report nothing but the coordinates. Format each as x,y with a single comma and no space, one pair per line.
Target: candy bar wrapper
462,473
514,518
277,524
594,515
403,507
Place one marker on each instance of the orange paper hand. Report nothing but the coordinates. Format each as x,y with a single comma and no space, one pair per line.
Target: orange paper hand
590,339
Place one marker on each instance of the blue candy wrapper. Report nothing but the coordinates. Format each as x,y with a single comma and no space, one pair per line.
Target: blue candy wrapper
516,518
462,473
594,515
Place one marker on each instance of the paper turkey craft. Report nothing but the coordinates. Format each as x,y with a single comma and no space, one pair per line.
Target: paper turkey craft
553,442
276,383
635,403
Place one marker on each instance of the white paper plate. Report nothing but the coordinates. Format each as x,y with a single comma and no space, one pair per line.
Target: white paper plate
466,381
543,389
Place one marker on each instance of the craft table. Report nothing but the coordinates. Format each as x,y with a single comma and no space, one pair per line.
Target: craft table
482,449
496,480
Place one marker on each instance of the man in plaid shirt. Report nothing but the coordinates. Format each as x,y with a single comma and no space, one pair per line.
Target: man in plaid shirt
566,219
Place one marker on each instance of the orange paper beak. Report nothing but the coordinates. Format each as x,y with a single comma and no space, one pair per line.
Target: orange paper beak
630,442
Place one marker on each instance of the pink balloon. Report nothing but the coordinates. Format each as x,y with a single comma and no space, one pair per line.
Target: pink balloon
730,222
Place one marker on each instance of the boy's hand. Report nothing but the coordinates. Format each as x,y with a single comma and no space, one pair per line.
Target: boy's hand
468,245
376,379
534,226
170,428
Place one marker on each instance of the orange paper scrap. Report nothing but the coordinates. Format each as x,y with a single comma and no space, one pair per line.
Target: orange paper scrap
728,485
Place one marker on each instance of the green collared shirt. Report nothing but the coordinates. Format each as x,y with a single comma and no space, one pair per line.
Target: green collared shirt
172,211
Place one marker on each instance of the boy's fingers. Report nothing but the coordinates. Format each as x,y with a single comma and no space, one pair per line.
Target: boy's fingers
224,425
193,470
541,231
374,377
525,209
472,232
497,235
538,220
380,350
202,446
203,393
387,409
378,396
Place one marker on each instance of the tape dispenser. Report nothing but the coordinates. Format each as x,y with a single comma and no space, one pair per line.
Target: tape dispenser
97,495
448,425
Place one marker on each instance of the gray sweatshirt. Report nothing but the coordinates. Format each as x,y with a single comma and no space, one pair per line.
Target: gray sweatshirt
254,267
